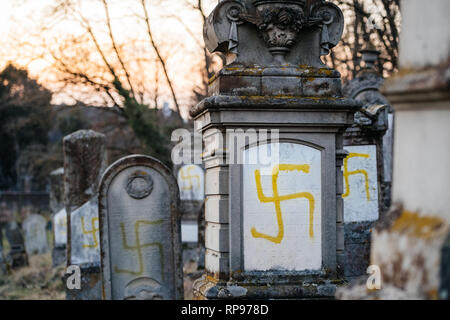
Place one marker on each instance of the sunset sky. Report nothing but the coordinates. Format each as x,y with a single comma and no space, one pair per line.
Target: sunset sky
26,24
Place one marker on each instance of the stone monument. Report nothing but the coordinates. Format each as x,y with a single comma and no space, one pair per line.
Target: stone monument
274,226
59,216
84,162
17,256
140,231
366,187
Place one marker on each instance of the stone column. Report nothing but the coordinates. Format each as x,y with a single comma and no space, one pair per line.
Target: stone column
84,162
410,245
364,178
273,226
418,224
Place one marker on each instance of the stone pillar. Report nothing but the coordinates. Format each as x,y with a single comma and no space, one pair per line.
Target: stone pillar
410,244
364,178
274,227
84,163
56,205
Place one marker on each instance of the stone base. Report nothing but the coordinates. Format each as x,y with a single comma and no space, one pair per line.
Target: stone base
206,288
58,256
306,81
91,285
357,248
412,252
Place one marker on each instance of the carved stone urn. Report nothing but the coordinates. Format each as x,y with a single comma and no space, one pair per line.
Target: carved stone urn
279,22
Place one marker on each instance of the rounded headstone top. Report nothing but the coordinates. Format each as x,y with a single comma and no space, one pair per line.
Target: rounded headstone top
57,172
84,135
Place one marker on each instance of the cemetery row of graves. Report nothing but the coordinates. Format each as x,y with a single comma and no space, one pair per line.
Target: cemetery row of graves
147,221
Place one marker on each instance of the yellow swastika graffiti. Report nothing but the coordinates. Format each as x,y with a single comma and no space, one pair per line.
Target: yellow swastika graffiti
139,246
349,173
93,232
62,223
276,199
185,174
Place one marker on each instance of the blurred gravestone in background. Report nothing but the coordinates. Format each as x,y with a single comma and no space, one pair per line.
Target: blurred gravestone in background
140,231
59,217
17,256
366,187
84,163
34,228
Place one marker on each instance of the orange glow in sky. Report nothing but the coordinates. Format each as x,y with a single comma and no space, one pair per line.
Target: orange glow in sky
22,35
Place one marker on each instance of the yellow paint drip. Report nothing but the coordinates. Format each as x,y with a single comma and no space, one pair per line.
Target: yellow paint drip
276,199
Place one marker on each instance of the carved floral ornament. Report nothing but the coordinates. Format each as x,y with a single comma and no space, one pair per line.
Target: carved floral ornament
279,22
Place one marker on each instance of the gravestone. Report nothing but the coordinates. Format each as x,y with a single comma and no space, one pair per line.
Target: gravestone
57,190
17,256
60,229
278,221
56,206
85,247
140,231
190,179
84,163
34,228
366,187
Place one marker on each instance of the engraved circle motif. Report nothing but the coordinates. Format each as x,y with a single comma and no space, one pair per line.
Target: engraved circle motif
139,185
234,10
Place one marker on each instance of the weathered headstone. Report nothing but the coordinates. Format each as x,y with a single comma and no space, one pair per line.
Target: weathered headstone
57,190
17,256
278,221
365,193
140,231
85,243
60,229
191,183
84,163
58,212
35,232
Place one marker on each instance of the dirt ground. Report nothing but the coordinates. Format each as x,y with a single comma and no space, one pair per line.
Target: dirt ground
39,281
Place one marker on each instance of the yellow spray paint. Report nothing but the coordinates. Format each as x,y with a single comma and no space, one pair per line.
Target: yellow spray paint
276,199
93,232
349,173
138,248
186,176
62,223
